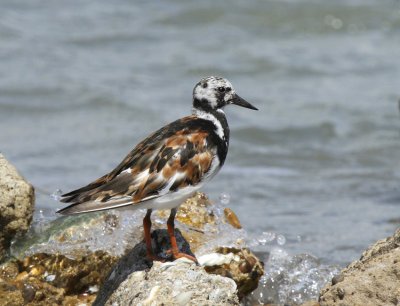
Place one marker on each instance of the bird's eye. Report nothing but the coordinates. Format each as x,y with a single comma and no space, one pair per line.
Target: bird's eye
221,89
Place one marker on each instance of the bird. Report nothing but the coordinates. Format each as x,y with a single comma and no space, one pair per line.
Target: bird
168,166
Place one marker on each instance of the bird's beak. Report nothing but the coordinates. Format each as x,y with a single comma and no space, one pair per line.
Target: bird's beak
241,102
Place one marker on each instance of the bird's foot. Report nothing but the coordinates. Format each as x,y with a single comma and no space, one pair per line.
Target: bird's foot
177,255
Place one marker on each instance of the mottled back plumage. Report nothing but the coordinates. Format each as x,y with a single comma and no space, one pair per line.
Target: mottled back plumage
163,162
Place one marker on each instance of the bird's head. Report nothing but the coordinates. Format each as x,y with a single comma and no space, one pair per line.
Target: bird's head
213,93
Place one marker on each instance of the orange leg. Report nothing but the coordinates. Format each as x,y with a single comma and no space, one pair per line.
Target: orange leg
147,236
174,247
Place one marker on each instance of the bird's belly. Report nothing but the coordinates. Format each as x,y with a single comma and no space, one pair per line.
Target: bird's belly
167,201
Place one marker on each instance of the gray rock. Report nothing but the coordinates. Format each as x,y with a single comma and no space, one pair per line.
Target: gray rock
374,279
136,260
17,201
180,282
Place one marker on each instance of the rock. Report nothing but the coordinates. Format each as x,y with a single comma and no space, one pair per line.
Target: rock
374,279
56,278
206,222
17,202
241,265
232,218
194,212
136,260
70,258
175,283
53,278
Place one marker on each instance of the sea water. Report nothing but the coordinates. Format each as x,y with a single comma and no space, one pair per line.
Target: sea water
81,83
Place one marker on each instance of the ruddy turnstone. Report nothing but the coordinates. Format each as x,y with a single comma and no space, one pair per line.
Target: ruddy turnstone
169,165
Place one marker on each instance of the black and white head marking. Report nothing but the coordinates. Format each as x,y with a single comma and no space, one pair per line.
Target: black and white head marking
210,96
212,93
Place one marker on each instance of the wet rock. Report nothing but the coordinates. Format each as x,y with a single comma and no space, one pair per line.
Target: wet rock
241,265
194,211
82,235
374,279
238,264
175,283
17,202
232,218
197,214
202,223
70,258
54,278
206,222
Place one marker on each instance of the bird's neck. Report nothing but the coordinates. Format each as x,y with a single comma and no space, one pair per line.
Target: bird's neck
221,129
217,117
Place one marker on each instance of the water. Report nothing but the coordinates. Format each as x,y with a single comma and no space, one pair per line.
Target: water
290,280
82,82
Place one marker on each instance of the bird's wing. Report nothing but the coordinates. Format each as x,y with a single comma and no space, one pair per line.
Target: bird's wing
164,162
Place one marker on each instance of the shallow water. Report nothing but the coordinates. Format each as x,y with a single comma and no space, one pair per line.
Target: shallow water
82,82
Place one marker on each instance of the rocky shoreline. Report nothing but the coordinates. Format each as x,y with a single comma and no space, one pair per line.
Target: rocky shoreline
66,265
64,269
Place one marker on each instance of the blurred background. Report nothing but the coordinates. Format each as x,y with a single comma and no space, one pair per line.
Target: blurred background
82,82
